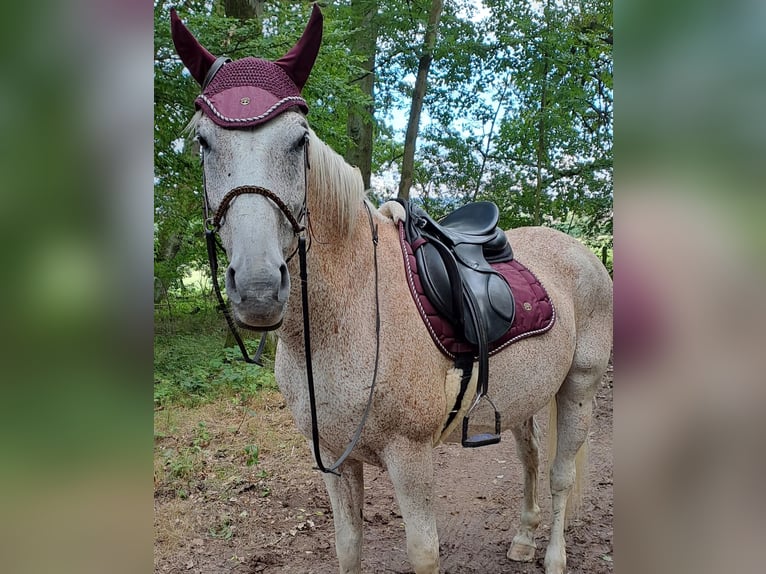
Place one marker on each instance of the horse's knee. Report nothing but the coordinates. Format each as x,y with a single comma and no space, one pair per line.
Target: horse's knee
562,479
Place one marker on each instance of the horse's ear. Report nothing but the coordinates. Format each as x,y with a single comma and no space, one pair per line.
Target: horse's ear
300,59
194,56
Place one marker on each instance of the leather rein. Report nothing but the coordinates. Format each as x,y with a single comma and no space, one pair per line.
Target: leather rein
212,227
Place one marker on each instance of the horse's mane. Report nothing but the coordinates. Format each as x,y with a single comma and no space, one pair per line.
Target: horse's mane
335,188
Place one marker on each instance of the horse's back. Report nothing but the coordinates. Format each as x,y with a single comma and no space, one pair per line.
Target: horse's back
577,282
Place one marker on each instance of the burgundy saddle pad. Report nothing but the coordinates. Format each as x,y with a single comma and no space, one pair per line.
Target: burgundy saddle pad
534,310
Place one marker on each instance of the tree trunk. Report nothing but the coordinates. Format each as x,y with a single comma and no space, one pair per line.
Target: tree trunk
360,122
244,9
429,41
542,152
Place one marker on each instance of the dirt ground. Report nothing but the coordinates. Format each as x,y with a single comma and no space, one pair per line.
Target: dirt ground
222,516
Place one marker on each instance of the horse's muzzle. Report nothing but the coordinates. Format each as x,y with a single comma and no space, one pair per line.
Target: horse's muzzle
258,297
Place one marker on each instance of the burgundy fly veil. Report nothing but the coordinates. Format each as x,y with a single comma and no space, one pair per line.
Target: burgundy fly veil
249,91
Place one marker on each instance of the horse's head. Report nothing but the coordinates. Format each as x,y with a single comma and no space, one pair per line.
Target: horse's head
253,136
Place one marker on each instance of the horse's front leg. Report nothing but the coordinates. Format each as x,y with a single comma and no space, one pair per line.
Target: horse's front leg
347,497
410,467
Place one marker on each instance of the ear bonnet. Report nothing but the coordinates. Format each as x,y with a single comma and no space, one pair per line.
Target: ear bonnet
249,91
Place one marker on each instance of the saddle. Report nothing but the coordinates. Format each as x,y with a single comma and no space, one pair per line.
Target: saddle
453,259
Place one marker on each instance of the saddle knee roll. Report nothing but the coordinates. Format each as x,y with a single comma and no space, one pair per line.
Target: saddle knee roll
497,308
438,285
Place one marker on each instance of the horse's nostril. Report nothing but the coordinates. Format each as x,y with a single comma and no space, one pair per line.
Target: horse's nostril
231,285
284,284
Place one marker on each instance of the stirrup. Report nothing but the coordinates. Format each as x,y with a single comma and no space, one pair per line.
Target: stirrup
482,439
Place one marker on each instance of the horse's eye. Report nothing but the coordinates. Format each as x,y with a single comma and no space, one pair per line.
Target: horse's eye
300,142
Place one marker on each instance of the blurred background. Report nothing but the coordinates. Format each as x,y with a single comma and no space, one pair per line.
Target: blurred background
76,115
689,277
76,302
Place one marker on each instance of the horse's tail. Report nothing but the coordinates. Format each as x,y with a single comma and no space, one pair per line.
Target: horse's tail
574,503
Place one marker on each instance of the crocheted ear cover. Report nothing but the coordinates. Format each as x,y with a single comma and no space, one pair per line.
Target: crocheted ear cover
250,91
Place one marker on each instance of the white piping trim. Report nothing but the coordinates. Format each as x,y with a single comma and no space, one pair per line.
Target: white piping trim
218,114
424,315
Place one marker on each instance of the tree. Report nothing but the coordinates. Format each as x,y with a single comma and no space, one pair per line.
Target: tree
244,9
510,102
361,119
521,114
418,93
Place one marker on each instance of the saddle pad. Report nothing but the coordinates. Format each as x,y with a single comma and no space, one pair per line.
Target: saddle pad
534,310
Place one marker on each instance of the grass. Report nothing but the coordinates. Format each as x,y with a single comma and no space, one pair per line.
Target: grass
221,429
207,455
205,398
192,365
210,447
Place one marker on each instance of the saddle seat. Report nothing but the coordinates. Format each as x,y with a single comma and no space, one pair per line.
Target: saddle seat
473,224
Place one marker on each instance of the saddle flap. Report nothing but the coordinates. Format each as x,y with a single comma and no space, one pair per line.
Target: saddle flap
447,274
494,304
441,282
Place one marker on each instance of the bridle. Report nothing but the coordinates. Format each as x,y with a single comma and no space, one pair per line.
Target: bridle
212,227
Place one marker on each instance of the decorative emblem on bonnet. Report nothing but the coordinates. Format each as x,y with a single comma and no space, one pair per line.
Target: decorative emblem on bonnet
249,91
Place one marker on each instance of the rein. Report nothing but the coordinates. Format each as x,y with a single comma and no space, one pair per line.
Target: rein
213,225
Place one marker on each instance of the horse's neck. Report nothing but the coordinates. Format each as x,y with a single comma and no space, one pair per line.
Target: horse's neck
339,270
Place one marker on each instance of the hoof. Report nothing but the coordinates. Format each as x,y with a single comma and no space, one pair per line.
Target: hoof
521,552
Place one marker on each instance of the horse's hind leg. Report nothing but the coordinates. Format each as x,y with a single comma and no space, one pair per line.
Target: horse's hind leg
410,467
523,547
347,497
574,403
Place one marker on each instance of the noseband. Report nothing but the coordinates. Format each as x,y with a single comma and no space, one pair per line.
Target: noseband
217,220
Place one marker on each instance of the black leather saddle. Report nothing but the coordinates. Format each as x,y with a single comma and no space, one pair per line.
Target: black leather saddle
453,261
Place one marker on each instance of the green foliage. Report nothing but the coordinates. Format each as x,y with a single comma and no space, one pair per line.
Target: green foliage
201,435
518,108
223,528
251,455
191,369
191,363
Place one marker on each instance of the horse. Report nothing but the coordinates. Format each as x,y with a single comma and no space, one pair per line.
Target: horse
270,180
